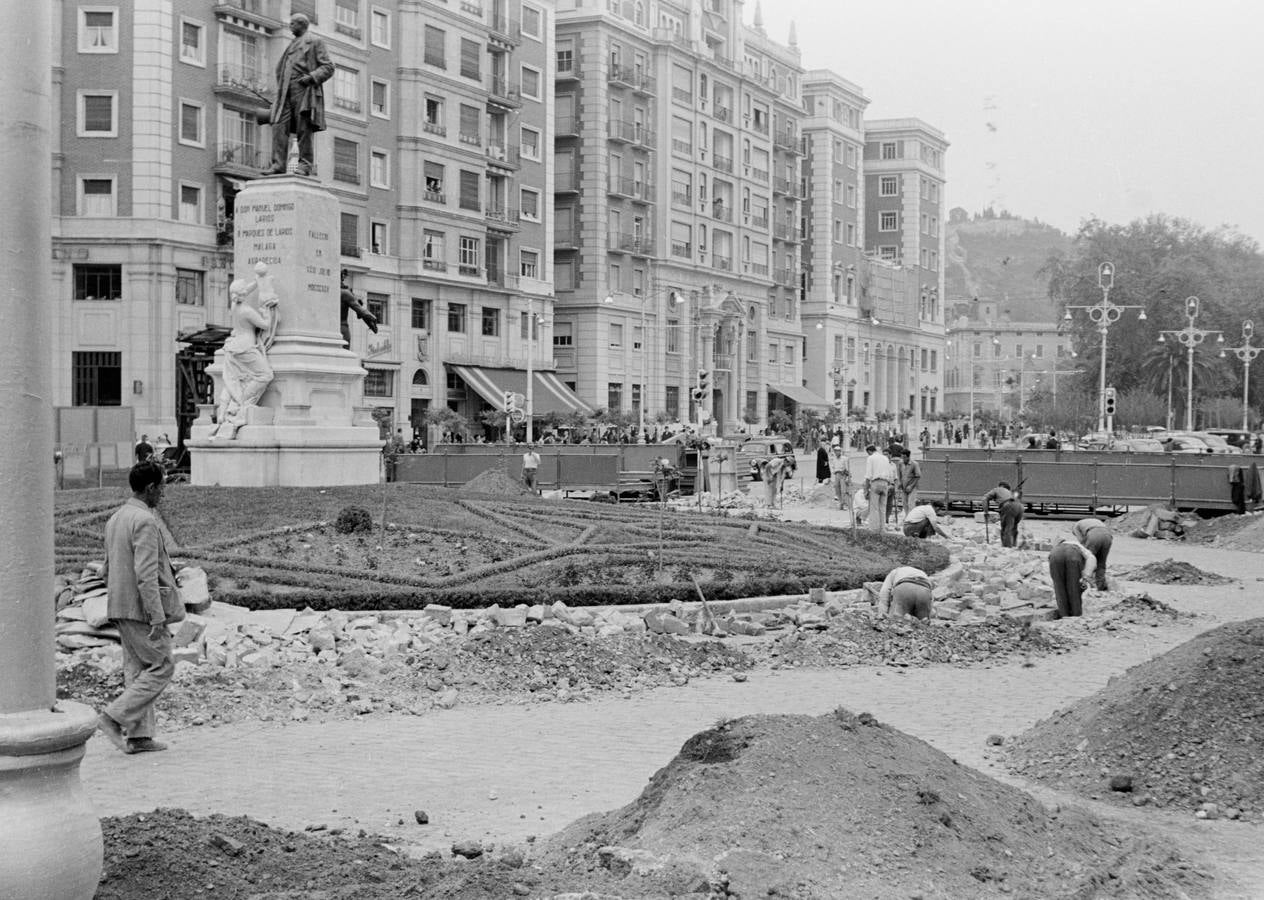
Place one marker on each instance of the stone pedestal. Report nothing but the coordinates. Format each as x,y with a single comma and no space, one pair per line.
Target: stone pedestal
307,429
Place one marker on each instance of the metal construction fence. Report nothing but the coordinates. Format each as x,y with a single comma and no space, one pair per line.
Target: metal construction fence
1074,479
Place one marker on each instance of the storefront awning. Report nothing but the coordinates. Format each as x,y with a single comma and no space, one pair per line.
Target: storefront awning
549,394
799,394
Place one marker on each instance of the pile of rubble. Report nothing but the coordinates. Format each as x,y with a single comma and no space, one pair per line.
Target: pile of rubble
81,603
729,500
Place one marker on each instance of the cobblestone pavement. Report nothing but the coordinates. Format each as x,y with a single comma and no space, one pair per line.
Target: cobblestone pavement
501,773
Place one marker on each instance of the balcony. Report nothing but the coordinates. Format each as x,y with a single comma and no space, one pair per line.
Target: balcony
630,188
497,278
241,159
348,104
723,362
474,140
788,233
569,68
505,155
618,130
469,270
723,263
760,222
434,196
434,265
258,12
760,174
723,113
788,141
626,242
434,128
761,125
721,212
760,269
682,146
500,215
787,188
350,29
622,75
243,83
501,93
472,9
504,30
723,163
684,249
785,276
566,126
566,183
565,240
682,198
645,84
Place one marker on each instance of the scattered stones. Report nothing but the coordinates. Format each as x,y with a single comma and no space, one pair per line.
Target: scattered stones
422,817
995,740
1121,783
467,849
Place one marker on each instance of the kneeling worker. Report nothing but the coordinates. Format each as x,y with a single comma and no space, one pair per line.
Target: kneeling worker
906,590
923,521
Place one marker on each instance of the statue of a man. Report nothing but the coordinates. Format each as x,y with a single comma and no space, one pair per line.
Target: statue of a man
247,372
299,107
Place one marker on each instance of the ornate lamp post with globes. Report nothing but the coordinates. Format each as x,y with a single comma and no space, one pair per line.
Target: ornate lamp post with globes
1247,353
1190,337
1104,314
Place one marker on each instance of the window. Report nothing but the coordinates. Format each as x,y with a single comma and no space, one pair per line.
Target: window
563,334
433,54
851,156
850,236
380,98
1040,351
671,400
888,252
470,53
530,201
190,204
379,383
529,263
491,322
888,220
469,190
432,256
789,356
456,318
614,397
96,196
347,89
307,7
471,131
380,28
349,234
191,120
420,313
530,22
773,353
888,186
469,250
378,242
565,58
380,169
98,29
192,42
433,174
96,378
616,335
889,150
530,83
535,329
346,161
189,287
98,113
95,281
530,143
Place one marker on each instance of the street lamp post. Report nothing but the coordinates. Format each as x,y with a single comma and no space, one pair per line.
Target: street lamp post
531,325
1247,353
1104,314
645,345
1190,337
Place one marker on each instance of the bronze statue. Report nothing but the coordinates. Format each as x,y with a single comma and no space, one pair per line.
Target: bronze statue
299,107
351,303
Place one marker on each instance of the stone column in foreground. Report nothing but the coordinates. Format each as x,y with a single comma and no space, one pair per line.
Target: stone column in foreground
50,839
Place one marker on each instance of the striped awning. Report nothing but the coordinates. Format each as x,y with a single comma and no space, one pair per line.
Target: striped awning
799,394
549,394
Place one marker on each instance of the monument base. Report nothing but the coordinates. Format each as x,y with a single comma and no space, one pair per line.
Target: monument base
50,837
286,456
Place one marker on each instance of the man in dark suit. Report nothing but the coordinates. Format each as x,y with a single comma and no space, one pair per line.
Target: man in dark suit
137,573
299,107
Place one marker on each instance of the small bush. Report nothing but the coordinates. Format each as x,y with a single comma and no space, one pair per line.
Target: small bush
352,519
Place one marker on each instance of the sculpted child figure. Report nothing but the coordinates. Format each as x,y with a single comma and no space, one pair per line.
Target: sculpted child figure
247,372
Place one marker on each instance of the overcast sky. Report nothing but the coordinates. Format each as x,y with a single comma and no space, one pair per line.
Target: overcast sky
1064,109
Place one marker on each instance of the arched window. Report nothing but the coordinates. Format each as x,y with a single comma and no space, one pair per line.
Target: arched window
421,379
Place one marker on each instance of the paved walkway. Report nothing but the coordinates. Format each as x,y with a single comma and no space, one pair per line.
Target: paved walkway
505,772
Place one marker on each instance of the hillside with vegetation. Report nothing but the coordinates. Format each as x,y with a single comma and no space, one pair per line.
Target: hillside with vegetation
998,256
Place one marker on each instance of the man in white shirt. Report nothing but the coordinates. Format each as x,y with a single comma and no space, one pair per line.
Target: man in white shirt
840,475
530,464
906,591
923,521
879,479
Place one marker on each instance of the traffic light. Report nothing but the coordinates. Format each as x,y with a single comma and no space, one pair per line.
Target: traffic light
1110,401
698,395
704,380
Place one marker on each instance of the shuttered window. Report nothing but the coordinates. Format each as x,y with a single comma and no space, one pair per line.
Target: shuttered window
346,161
98,113
471,121
469,190
434,47
470,52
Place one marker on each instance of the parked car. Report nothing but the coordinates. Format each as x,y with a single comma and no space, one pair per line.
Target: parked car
1184,443
760,449
1235,437
1039,441
1216,443
1138,445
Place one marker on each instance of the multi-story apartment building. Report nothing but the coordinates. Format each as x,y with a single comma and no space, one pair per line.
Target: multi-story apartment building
873,319
998,363
437,150
677,209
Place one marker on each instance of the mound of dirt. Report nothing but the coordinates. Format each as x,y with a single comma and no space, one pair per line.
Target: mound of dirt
1174,571
496,482
841,806
1182,730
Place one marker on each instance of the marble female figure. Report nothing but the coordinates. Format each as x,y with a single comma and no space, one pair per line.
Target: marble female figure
247,372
